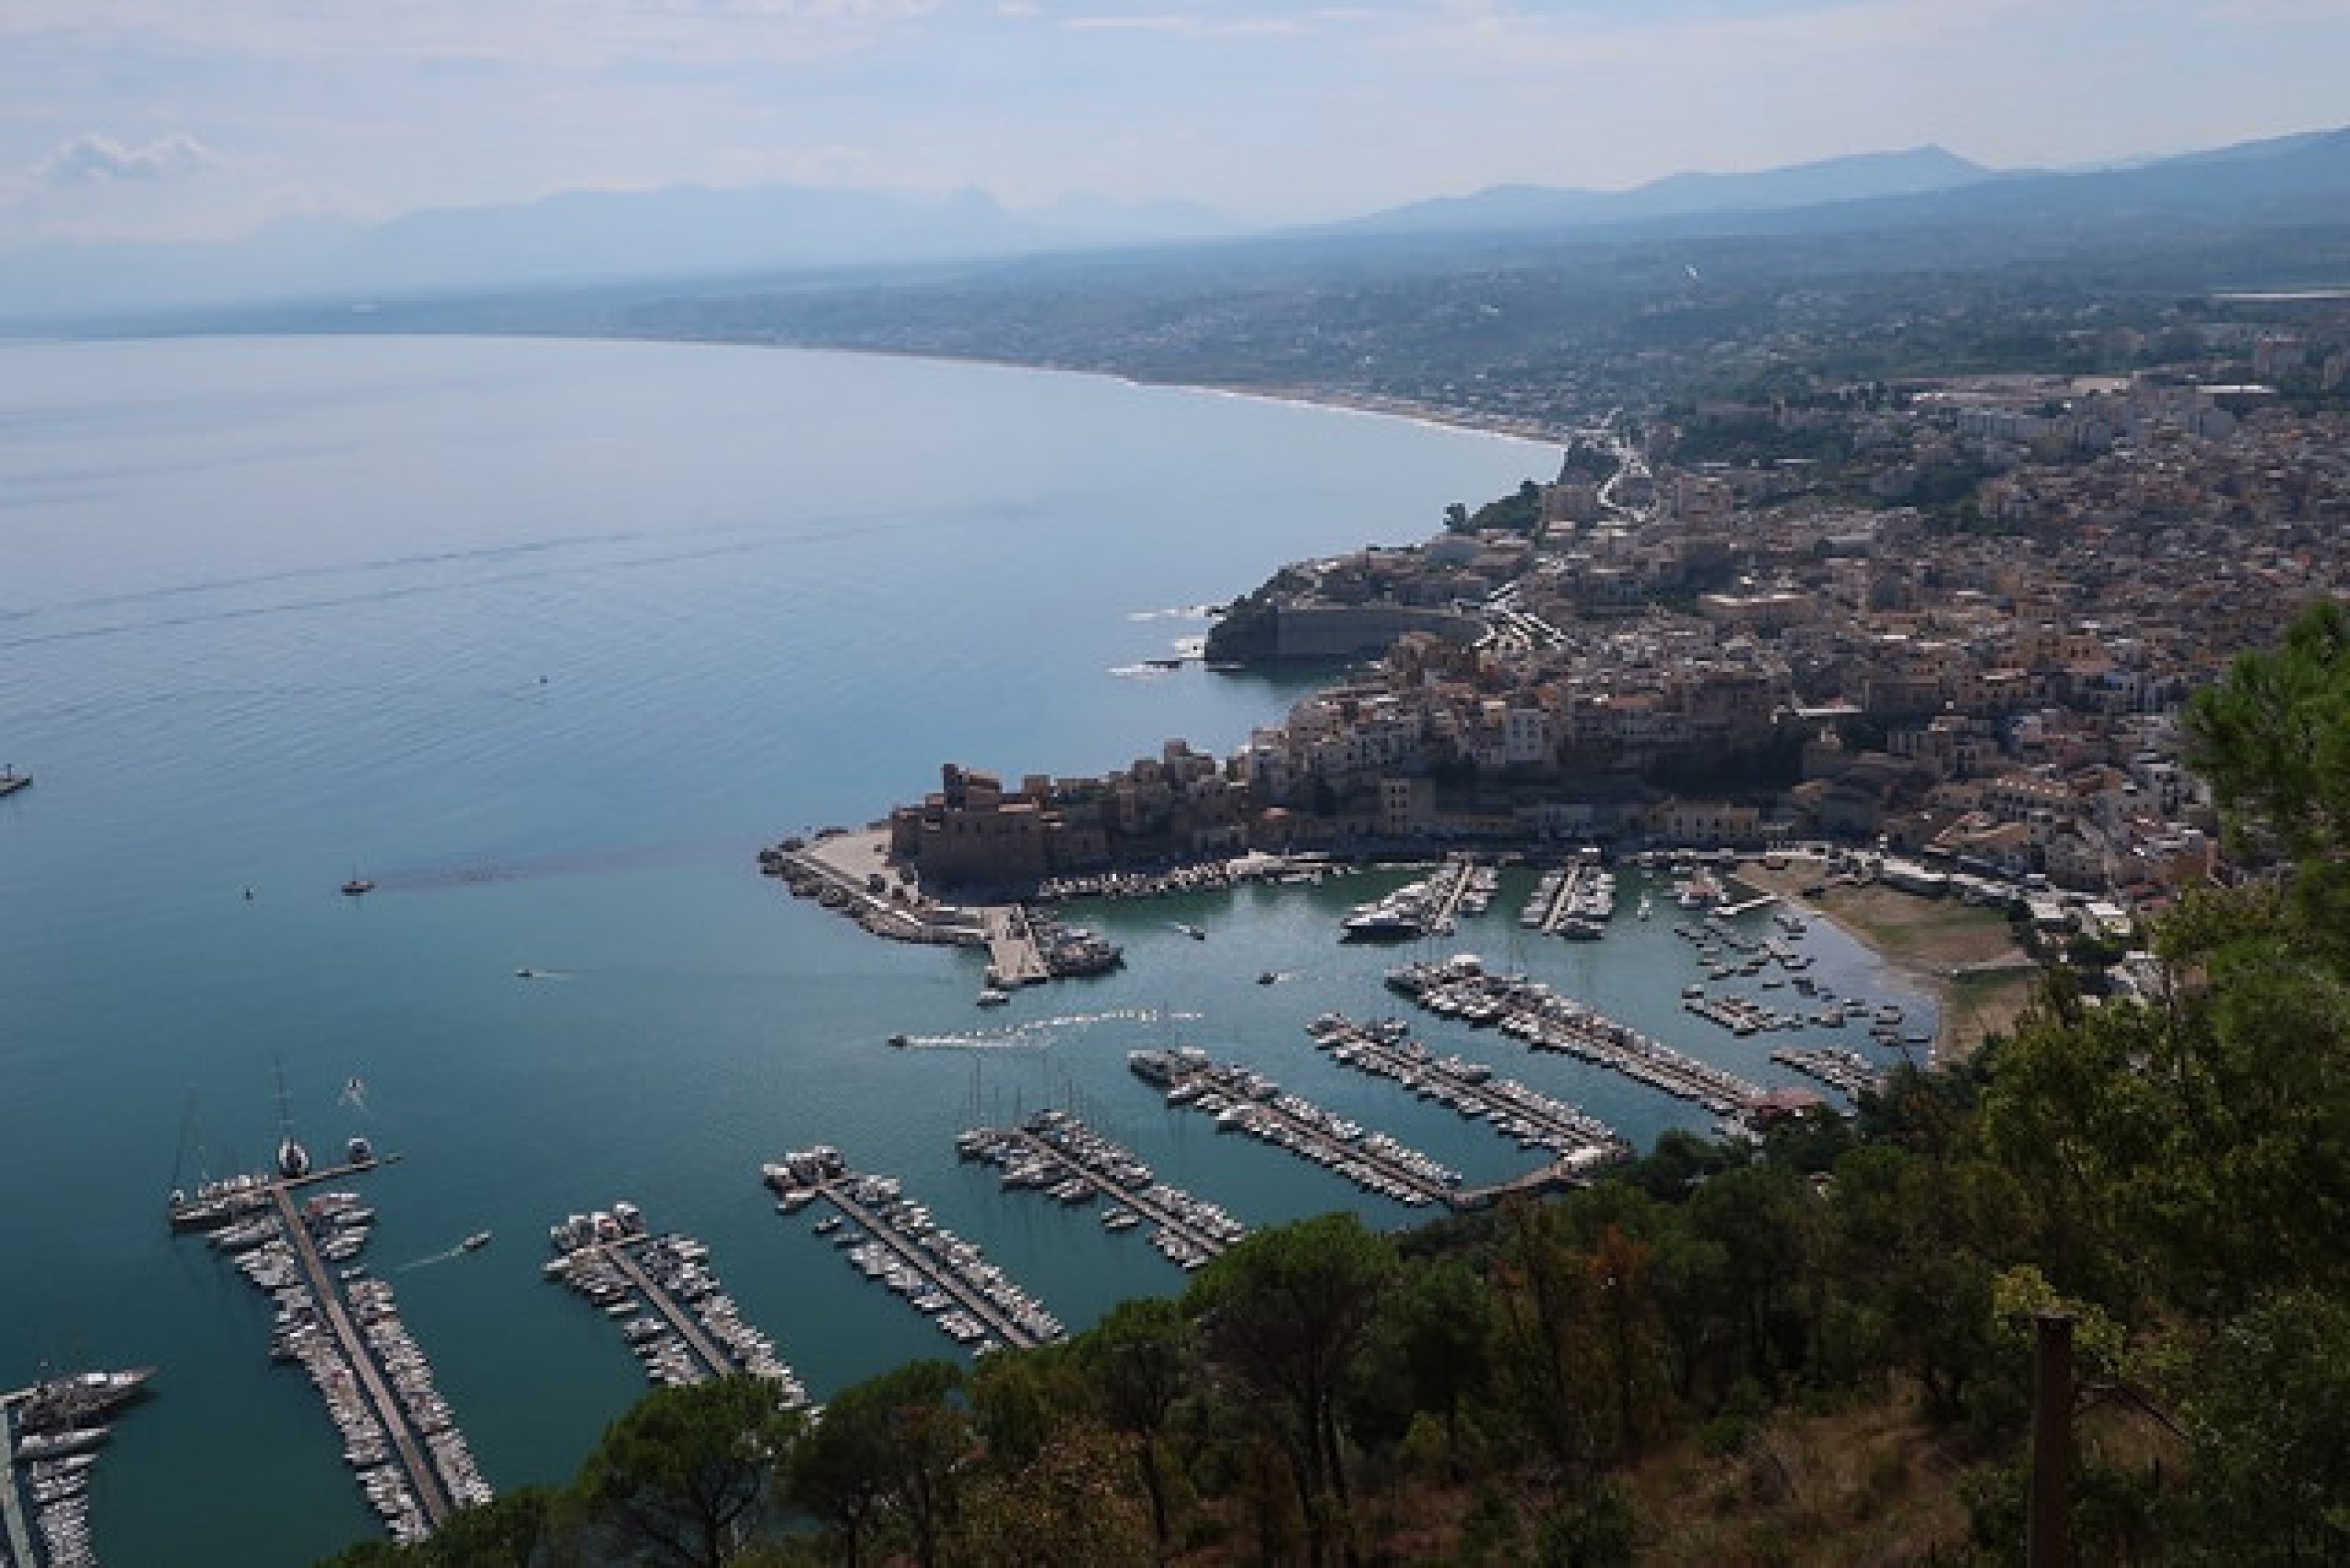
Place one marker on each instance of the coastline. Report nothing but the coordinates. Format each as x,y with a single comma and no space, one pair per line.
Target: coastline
1981,981
1376,405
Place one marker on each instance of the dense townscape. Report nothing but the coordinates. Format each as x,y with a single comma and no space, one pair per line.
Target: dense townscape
1747,652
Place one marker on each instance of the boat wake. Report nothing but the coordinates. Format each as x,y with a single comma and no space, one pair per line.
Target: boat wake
1040,1033
450,1256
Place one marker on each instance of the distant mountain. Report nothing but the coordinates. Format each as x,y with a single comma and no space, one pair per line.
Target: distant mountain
579,238
718,240
1919,171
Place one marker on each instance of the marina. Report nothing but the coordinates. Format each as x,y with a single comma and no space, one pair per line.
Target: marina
677,1319
1531,1010
343,1327
1580,1141
1054,1152
1835,1066
1575,900
1433,904
1243,1100
893,1240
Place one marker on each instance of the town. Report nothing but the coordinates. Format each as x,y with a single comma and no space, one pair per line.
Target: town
1657,649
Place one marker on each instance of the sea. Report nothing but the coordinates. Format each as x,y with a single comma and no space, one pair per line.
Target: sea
546,640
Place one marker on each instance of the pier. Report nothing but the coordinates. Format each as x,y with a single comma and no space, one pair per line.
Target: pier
423,1479
1013,957
694,1331
940,1274
1531,1011
1054,1152
1244,1101
12,1506
398,1433
1834,1066
1574,900
1580,1141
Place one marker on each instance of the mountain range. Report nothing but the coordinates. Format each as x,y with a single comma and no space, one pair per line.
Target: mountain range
686,233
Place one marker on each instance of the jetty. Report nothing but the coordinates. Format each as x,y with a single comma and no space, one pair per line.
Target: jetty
1015,957
896,1241
1459,987
1246,1101
693,1331
1054,1152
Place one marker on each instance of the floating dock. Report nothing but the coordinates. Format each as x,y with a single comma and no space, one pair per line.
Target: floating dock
694,1332
1833,1065
1531,1011
940,1275
432,1453
1054,1152
1507,1106
1244,1101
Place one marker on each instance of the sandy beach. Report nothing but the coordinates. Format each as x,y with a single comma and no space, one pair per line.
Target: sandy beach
1966,956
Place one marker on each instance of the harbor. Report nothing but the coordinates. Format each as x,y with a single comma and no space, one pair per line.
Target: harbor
890,1238
1054,1152
677,1319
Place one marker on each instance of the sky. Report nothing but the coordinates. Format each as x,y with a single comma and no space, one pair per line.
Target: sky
174,120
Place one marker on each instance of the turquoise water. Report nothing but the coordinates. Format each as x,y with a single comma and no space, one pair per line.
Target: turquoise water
547,639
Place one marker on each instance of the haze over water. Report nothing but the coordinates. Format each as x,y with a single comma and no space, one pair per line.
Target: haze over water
547,639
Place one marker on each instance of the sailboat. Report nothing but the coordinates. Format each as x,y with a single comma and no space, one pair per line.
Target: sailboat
293,1159
357,885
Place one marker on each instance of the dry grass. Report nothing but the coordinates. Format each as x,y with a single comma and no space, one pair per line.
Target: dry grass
1870,1485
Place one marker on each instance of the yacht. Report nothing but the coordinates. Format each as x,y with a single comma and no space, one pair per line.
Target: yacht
993,996
476,1241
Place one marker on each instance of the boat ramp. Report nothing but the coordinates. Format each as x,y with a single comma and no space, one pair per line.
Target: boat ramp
677,1319
1244,1101
887,1236
1054,1152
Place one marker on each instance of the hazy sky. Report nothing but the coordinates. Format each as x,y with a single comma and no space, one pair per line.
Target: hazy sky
174,117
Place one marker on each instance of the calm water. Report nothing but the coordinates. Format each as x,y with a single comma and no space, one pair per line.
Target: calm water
547,639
